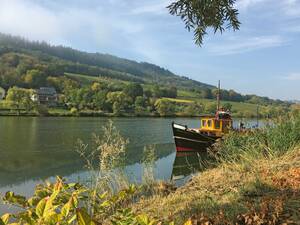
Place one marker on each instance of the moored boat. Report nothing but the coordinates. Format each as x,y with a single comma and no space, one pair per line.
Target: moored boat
212,127
199,139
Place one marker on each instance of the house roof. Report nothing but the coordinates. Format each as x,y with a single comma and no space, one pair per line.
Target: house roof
46,91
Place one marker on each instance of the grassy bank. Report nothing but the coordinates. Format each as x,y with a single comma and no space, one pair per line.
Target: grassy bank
255,179
265,192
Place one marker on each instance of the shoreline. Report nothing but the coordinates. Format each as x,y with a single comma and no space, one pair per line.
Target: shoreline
111,115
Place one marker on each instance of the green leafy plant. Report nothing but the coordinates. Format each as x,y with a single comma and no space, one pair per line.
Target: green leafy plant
65,203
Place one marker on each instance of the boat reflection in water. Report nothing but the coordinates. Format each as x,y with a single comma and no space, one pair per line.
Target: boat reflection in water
188,163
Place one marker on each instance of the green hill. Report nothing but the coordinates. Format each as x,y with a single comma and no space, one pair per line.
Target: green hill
31,65
94,64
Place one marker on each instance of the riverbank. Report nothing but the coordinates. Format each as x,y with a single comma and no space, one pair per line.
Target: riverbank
254,180
89,113
266,192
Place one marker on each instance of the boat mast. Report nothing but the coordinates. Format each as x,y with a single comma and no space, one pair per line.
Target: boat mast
218,97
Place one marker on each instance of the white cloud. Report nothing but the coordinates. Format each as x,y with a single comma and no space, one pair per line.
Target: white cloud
245,4
291,7
34,21
292,77
242,45
156,7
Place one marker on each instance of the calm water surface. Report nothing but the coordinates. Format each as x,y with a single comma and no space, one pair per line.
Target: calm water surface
36,149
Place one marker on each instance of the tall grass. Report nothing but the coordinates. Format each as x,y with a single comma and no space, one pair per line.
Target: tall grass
266,143
148,162
104,159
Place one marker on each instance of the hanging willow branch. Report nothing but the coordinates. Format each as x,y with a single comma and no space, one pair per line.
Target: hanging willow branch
199,15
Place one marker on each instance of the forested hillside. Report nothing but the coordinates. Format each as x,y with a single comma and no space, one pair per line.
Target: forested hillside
106,83
63,59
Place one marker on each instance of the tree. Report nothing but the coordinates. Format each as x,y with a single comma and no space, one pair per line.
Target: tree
96,87
140,104
170,92
165,107
199,15
227,106
19,98
119,100
193,109
157,92
206,93
35,78
99,100
211,107
148,93
133,90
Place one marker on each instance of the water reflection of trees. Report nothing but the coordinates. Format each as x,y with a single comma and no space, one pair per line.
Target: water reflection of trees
16,167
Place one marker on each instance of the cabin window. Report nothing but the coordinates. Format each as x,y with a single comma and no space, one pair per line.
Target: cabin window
217,124
203,123
209,123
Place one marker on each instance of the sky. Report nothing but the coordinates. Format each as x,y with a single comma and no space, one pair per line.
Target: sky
262,58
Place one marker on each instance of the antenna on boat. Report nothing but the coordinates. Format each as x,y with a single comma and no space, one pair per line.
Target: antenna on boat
218,96
257,116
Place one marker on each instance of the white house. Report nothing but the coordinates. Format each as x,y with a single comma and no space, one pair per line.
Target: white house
45,95
2,93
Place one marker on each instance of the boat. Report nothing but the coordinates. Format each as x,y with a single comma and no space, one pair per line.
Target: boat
212,128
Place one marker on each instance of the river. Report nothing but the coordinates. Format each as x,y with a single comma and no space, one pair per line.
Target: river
34,149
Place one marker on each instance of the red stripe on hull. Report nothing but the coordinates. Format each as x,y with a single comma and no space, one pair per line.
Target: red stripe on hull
182,149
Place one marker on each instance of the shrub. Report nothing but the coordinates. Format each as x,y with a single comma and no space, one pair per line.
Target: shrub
74,111
269,142
68,203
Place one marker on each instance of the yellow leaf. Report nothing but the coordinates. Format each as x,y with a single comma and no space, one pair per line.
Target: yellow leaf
189,222
83,218
5,218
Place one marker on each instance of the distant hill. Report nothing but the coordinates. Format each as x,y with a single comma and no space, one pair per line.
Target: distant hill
66,59
30,64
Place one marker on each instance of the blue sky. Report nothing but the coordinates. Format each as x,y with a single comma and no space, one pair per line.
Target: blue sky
262,58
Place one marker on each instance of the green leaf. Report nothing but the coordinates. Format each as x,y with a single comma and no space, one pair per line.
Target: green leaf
51,218
66,208
41,207
74,203
83,218
102,196
49,202
105,204
11,197
72,219
144,220
41,193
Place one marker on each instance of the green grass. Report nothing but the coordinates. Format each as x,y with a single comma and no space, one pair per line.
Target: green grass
87,80
187,94
179,100
236,106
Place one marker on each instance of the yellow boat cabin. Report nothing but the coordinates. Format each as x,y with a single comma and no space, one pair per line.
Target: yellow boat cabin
217,125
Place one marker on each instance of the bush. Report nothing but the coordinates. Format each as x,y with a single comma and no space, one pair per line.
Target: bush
269,142
165,107
69,203
74,111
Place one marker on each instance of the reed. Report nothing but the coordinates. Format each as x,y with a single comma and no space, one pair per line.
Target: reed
267,143
104,158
